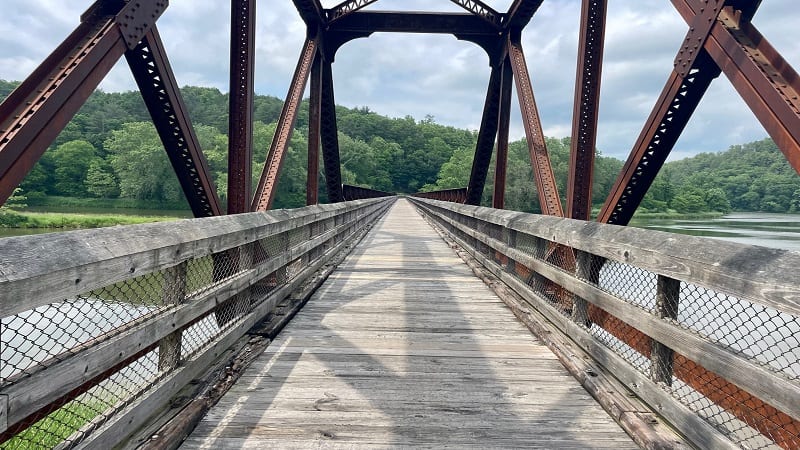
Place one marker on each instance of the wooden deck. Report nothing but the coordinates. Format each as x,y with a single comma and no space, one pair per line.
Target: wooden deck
404,346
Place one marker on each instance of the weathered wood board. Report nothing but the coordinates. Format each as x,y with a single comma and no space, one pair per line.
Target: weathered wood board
404,346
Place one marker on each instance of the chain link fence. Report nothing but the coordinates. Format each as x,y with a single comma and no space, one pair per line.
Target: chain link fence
72,366
752,402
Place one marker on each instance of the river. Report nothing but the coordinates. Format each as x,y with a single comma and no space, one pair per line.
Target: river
764,229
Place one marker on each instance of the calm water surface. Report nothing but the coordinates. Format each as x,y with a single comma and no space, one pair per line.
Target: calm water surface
764,229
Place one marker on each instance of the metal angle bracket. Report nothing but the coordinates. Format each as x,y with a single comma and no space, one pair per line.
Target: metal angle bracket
699,31
136,19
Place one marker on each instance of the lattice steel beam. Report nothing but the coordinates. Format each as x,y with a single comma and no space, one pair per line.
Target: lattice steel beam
240,120
481,10
670,115
587,101
153,74
268,184
486,136
520,13
345,8
540,160
330,137
766,82
501,160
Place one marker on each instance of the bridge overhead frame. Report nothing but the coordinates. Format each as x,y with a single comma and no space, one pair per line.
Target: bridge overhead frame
721,39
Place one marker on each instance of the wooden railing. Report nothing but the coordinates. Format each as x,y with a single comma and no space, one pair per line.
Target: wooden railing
706,332
101,328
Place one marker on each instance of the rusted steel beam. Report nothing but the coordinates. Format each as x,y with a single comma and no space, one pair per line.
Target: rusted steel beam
330,137
240,120
767,83
311,11
357,193
34,114
414,22
540,160
151,70
458,195
268,184
670,115
765,418
520,13
587,102
501,161
314,118
345,8
481,10
486,136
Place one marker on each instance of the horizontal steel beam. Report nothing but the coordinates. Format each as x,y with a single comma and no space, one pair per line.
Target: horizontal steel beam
413,22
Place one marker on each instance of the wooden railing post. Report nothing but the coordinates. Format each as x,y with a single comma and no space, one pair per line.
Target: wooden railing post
661,356
584,271
511,241
169,348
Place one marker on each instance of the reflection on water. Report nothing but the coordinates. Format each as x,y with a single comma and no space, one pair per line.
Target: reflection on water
767,230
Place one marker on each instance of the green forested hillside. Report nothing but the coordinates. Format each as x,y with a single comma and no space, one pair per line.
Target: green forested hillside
111,150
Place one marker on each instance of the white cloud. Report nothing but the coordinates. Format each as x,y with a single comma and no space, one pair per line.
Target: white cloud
417,75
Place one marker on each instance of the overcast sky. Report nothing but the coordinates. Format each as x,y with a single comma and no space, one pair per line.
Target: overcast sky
437,75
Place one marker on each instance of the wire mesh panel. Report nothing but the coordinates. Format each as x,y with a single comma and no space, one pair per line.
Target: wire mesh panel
689,317
183,288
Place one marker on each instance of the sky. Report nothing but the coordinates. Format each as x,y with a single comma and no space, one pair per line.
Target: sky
420,75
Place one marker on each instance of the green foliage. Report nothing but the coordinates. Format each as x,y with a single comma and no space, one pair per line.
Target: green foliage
100,180
110,149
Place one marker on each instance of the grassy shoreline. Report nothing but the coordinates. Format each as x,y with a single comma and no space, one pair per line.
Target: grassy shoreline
47,220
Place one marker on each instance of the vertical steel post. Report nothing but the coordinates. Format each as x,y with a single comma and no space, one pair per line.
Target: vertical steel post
486,136
314,117
330,137
587,101
240,119
501,162
667,297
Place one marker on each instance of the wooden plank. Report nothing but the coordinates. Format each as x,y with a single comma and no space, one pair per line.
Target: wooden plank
136,414
699,431
762,275
773,388
41,269
395,352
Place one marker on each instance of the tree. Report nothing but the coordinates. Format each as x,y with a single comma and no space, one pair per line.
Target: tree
71,161
100,180
141,164
689,201
716,200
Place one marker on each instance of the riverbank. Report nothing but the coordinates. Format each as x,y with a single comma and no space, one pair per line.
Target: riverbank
676,216
60,220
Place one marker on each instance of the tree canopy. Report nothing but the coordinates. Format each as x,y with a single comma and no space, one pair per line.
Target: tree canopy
111,149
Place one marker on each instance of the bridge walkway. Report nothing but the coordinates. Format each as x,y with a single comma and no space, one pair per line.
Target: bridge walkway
404,346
